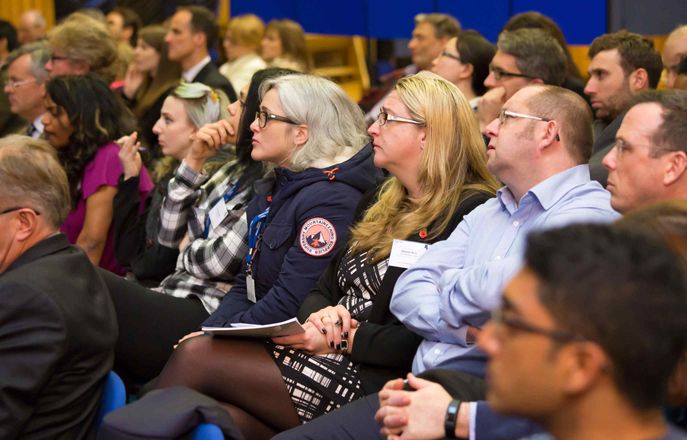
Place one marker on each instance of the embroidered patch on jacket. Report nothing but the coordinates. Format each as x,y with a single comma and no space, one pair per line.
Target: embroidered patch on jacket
318,237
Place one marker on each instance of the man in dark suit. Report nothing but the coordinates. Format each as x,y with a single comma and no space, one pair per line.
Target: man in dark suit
192,34
57,323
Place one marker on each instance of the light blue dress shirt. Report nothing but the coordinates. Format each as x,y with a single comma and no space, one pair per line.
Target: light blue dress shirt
457,282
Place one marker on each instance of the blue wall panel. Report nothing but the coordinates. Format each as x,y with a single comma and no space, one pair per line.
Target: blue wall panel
485,16
340,18
581,20
388,19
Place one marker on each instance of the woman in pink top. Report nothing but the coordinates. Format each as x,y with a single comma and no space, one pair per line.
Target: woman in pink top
82,119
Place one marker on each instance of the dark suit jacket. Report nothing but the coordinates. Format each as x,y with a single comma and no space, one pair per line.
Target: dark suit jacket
210,76
602,145
57,333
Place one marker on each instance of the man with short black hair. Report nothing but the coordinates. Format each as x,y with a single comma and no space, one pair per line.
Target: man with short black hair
570,345
192,33
124,24
57,322
524,56
621,65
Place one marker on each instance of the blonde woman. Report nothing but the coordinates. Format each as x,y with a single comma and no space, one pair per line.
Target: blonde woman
241,46
426,136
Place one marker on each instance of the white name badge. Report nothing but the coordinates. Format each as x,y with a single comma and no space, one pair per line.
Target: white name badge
250,288
405,253
218,213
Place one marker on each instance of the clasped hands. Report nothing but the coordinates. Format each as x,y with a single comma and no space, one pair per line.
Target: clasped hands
329,330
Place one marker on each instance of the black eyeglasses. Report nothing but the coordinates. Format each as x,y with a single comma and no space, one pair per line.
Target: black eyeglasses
17,208
384,117
263,117
498,317
500,73
452,56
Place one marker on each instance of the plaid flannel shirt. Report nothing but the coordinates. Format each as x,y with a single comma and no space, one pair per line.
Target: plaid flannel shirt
206,268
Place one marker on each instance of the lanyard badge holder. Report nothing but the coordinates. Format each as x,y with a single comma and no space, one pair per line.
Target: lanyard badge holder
218,211
257,224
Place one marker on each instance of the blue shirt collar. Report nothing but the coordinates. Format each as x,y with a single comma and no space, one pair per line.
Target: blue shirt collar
547,192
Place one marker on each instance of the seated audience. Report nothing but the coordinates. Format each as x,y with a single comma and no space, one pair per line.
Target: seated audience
185,110
123,24
284,46
465,62
82,120
538,148
149,79
523,56
211,251
241,47
191,35
57,323
427,138
82,44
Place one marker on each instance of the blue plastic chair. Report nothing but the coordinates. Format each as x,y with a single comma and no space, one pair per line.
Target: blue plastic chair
207,431
114,396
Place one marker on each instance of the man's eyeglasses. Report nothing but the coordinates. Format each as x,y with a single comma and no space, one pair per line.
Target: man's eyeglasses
452,56
500,74
17,208
14,84
263,117
384,117
505,114
498,317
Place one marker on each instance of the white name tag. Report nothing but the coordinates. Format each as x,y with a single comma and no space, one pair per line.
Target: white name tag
218,213
250,288
405,253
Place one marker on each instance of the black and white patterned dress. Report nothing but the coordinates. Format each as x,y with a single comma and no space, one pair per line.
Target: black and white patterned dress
320,384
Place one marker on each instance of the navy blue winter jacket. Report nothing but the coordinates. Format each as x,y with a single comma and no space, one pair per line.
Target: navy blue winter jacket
309,219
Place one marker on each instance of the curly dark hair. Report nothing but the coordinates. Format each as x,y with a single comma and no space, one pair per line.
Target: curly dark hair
97,117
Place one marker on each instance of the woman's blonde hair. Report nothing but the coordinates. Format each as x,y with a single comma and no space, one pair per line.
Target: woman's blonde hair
452,167
336,128
246,30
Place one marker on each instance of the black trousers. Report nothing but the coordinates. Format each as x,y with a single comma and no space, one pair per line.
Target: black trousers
356,420
150,324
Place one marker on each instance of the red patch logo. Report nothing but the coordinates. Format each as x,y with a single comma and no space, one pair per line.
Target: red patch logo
318,237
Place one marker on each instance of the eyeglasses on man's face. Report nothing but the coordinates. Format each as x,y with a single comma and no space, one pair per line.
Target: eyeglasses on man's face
16,84
501,320
505,114
499,73
17,208
384,117
55,58
264,117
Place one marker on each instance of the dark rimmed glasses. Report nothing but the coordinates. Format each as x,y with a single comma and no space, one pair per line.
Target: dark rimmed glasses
499,317
264,117
17,208
452,56
500,74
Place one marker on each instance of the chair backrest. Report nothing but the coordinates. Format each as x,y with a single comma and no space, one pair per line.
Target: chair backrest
207,431
114,396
